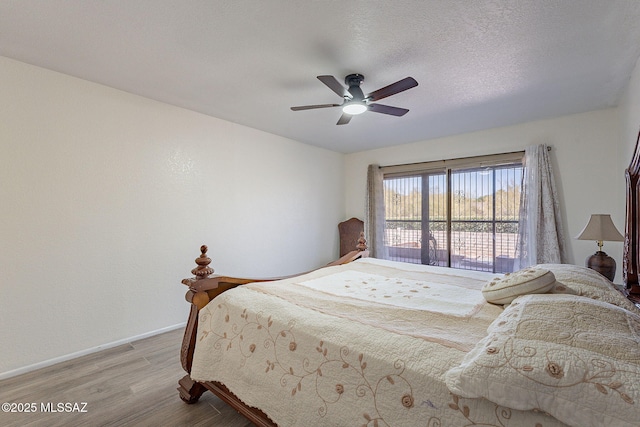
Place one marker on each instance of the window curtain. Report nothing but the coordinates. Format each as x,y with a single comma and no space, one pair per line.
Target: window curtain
374,212
540,236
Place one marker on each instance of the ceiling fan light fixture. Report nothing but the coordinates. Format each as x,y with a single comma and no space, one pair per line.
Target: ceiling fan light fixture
354,108
355,102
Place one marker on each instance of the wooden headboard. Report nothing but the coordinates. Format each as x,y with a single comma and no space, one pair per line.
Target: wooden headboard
632,224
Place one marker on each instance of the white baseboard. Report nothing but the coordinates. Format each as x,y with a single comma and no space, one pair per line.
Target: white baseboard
45,363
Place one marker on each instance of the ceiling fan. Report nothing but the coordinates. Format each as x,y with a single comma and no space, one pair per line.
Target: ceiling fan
355,102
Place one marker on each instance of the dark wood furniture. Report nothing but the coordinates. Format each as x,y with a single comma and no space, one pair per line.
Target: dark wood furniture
631,259
350,231
202,289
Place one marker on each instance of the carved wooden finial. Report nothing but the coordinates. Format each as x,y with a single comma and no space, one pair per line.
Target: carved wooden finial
203,270
362,242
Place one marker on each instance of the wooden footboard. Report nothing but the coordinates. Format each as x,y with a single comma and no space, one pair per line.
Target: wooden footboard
205,286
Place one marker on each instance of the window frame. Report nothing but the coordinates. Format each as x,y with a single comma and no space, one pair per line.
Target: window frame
448,167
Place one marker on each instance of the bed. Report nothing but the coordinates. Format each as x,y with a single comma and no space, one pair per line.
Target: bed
367,342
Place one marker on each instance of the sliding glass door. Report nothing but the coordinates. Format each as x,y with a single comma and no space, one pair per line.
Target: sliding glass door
462,218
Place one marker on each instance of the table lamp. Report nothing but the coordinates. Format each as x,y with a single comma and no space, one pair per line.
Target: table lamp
600,228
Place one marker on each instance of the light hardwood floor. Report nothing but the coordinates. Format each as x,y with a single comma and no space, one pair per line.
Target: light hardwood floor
132,384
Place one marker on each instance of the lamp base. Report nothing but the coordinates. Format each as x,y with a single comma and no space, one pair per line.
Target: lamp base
603,264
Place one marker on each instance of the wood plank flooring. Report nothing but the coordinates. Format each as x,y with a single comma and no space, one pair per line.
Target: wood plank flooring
132,384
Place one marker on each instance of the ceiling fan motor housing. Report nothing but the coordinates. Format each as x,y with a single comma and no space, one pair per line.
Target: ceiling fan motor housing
354,81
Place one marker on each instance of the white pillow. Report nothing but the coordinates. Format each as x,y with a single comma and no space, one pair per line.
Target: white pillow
530,280
575,358
583,281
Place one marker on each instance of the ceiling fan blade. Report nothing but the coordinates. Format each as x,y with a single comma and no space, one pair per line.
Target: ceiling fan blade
393,88
388,109
311,107
344,119
335,86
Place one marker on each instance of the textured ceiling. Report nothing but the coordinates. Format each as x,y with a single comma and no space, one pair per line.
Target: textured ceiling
479,64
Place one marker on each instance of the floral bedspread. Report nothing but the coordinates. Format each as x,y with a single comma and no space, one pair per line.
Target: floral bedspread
363,344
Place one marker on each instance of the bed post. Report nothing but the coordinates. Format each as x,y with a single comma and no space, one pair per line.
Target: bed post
190,391
632,226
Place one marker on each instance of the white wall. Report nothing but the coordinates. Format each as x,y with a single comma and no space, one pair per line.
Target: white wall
106,198
629,107
586,166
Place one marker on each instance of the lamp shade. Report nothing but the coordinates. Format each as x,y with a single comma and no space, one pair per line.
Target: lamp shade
600,228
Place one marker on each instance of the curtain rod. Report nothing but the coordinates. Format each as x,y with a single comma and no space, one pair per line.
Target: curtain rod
462,158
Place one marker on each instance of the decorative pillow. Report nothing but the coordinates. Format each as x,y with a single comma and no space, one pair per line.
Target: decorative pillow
583,281
575,358
522,282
